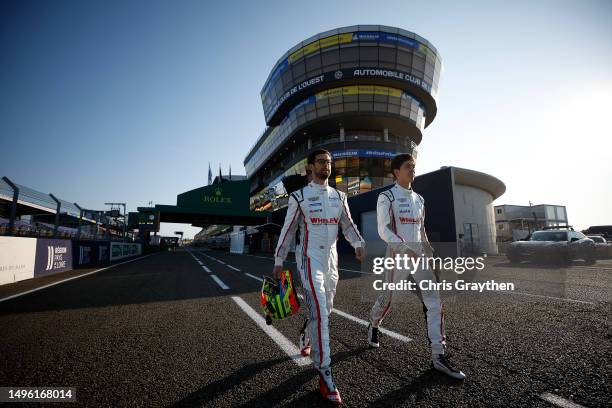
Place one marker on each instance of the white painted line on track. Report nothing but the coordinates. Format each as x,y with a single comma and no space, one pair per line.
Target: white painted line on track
389,333
543,296
559,401
253,277
288,347
206,269
219,282
220,261
73,278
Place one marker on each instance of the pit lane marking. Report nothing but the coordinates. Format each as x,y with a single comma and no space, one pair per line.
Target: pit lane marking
220,261
362,322
253,277
219,282
287,346
559,401
212,257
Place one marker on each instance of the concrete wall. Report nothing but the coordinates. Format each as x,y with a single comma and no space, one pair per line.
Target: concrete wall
475,207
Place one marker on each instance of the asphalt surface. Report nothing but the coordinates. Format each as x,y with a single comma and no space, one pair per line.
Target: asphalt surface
160,331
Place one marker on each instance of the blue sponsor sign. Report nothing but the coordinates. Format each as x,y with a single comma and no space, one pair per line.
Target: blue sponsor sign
52,256
88,254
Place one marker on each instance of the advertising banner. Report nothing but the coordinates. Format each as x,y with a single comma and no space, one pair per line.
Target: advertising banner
89,254
104,253
16,259
120,250
386,154
271,106
52,256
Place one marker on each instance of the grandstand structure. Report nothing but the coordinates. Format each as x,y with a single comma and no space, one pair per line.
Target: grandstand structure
30,213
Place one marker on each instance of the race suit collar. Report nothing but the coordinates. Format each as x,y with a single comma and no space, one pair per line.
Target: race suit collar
406,190
318,186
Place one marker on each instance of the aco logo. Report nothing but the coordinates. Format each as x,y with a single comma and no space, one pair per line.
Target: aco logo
217,198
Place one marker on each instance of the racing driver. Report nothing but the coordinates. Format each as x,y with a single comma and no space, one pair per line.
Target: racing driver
400,214
317,209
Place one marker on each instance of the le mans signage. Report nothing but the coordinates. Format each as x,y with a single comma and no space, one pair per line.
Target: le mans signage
217,197
226,196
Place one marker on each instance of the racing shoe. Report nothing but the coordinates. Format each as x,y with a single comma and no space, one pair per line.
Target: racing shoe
441,363
329,391
304,341
373,336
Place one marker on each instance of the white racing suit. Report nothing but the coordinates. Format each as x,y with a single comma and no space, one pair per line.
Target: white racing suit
317,211
401,216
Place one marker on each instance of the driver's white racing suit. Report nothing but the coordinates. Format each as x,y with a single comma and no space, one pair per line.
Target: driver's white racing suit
401,223
317,210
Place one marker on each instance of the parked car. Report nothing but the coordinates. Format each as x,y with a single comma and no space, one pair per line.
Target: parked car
603,248
553,245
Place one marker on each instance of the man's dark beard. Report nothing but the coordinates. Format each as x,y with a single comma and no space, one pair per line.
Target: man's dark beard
322,176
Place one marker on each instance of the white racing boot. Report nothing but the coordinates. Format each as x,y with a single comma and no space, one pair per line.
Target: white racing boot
329,391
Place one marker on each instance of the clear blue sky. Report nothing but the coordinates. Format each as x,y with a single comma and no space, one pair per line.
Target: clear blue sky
129,101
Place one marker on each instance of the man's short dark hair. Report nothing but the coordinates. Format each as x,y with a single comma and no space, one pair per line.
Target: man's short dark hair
313,155
400,159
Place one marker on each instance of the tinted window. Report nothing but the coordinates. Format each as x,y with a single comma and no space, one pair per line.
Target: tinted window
549,236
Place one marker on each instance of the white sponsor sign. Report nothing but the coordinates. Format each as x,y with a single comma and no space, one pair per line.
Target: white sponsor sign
17,256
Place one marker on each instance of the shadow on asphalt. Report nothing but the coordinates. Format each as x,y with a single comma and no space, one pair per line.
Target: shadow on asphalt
415,390
273,396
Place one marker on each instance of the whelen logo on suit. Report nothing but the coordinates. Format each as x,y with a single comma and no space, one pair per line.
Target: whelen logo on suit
408,220
316,220
55,257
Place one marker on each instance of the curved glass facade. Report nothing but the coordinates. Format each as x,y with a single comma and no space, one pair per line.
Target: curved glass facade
357,98
383,52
